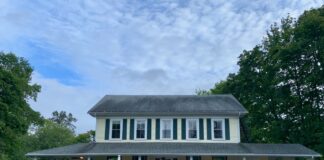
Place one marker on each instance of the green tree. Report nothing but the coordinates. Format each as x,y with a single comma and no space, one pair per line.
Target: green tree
15,91
85,137
62,118
49,135
281,83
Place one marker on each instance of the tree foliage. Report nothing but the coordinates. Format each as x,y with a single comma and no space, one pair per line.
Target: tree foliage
64,119
15,91
281,83
85,137
50,135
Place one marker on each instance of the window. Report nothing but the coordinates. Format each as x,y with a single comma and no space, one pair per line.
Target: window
115,129
140,129
219,158
112,158
218,129
192,129
166,128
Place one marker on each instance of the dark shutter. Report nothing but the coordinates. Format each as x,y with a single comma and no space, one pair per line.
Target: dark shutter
132,129
149,126
201,129
157,129
227,129
175,129
124,129
183,128
209,131
107,129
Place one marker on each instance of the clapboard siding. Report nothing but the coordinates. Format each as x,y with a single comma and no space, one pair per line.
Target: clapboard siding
233,127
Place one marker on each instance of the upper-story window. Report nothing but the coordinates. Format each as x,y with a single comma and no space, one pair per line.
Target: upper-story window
192,129
166,128
218,129
140,129
115,129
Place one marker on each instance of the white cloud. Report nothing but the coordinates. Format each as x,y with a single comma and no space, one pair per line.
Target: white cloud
122,47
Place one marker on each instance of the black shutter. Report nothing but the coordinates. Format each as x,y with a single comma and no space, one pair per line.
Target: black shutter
201,129
107,129
149,124
124,129
209,131
183,128
227,129
132,129
175,129
157,129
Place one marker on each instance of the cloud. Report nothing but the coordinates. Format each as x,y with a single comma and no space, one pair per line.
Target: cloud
82,50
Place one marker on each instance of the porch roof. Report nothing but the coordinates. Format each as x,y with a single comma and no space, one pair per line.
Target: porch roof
171,148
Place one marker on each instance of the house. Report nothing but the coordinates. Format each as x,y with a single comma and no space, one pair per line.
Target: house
171,127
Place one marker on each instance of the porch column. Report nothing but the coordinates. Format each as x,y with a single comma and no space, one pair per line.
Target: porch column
244,158
89,158
191,158
118,158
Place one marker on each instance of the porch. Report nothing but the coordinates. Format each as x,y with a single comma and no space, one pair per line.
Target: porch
169,158
183,158
176,151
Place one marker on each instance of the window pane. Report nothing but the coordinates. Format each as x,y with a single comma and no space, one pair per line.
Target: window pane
218,134
140,134
166,128
166,124
140,125
217,124
192,133
116,125
115,134
192,125
140,129
218,129
192,129
166,133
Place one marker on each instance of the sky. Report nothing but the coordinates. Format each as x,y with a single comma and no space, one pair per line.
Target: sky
82,50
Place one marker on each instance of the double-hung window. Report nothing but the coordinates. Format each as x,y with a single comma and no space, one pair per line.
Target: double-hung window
192,128
166,128
218,129
115,129
140,129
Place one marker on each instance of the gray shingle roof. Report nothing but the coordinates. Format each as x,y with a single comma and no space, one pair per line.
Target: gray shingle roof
181,149
165,105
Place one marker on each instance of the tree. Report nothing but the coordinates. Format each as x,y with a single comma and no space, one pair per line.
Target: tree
85,137
281,83
64,119
15,91
49,135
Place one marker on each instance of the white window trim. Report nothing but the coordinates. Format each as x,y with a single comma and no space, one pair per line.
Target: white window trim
187,128
161,135
145,129
121,129
223,128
